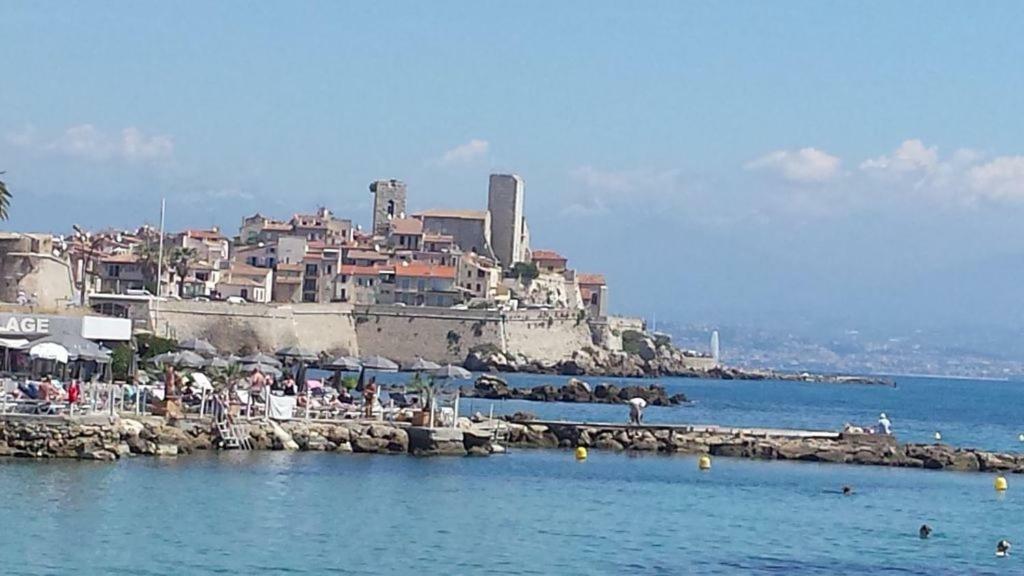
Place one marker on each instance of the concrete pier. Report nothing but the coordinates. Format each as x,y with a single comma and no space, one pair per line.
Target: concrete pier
759,443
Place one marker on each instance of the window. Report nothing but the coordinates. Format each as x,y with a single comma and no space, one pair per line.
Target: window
244,293
391,207
479,273
310,269
421,285
114,271
478,287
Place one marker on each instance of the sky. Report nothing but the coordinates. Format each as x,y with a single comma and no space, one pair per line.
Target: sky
852,164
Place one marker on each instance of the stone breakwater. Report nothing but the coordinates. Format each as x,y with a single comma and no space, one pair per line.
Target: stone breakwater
576,391
106,438
863,449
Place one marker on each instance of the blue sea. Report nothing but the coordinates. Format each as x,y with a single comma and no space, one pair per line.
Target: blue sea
538,511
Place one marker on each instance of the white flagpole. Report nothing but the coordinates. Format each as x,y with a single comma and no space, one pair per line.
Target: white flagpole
160,264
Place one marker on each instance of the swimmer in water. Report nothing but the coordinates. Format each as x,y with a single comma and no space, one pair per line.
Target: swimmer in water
847,490
925,531
1003,549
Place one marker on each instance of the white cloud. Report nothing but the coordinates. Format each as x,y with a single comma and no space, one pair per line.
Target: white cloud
911,156
599,190
1000,179
806,166
86,141
466,153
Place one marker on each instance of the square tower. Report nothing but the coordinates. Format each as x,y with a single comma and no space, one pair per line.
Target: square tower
388,203
505,203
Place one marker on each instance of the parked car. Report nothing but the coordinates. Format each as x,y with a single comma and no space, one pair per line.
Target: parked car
235,300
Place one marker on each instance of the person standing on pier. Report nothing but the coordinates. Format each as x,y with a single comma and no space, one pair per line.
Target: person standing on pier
636,410
884,425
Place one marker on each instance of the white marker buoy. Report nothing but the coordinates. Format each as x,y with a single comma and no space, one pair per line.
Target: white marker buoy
938,437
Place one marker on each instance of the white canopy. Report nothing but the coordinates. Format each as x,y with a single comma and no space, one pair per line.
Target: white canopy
50,351
13,343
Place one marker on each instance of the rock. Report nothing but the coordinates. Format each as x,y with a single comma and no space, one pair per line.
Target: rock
368,444
606,443
436,442
130,427
166,450
139,446
101,455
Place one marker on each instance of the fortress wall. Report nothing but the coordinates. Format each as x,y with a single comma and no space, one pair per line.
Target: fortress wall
402,334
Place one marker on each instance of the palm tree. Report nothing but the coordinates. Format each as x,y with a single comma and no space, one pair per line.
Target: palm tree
149,257
181,261
227,377
5,199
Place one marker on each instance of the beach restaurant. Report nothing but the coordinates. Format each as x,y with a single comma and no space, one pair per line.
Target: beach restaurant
28,340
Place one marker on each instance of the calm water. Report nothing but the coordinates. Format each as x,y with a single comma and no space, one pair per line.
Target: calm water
979,414
529,512
540,512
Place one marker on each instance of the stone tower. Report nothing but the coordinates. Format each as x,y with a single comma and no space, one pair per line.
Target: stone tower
505,203
388,203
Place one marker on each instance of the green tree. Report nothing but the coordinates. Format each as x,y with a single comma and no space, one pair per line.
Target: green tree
5,199
525,271
181,262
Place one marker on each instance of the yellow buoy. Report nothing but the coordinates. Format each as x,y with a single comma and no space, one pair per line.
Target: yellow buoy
704,463
581,453
1000,484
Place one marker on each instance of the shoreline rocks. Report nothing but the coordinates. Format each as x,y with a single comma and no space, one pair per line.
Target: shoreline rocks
651,359
110,438
492,387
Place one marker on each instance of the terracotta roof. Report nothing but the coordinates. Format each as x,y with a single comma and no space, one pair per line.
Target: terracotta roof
592,279
121,259
365,255
204,234
546,255
461,214
406,226
423,270
247,270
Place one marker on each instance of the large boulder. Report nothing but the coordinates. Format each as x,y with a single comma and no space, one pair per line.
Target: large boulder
436,441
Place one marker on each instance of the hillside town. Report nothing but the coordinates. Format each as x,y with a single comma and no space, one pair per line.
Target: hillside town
468,258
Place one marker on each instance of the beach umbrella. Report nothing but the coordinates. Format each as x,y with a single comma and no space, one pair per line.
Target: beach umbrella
218,363
268,369
198,345
453,372
49,351
190,359
165,358
421,365
344,364
261,358
379,363
78,348
297,353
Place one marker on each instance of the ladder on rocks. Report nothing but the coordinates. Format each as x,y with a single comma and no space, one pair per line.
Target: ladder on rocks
232,436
